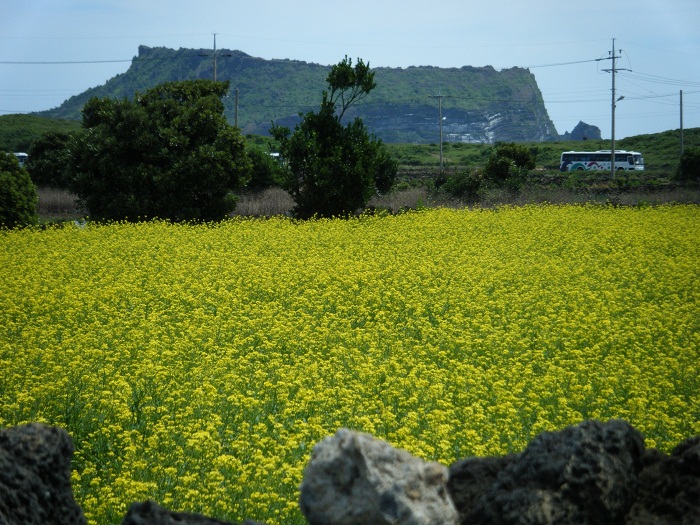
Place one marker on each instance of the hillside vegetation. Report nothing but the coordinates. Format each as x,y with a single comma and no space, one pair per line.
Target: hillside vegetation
17,132
479,104
661,151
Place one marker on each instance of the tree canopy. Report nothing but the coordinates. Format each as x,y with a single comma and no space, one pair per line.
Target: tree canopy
332,169
168,153
49,159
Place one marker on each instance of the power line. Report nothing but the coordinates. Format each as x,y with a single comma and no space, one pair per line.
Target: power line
62,62
563,63
659,80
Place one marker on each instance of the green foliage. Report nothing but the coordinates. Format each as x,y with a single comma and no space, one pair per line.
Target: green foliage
349,84
660,151
169,154
266,170
49,158
689,166
18,132
508,165
279,90
18,196
333,169
465,184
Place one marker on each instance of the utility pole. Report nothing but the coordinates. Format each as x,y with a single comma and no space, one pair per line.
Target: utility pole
439,97
214,57
681,122
613,70
236,121
680,164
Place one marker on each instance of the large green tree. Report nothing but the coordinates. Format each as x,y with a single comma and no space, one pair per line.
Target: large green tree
331,168
168,153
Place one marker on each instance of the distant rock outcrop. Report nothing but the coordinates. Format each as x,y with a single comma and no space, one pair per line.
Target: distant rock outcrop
480,105
588,474
583,131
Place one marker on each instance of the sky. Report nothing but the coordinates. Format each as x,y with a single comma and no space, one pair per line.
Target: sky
51,50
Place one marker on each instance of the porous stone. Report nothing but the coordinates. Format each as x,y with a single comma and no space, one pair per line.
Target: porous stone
354,478
669,487
469,479
584,474
150,513
35,470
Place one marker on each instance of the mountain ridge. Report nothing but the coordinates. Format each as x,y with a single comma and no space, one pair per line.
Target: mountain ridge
478,104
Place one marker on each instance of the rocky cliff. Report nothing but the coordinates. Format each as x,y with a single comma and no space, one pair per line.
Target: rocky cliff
479,104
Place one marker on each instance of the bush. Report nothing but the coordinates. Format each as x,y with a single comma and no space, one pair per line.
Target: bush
266,170
466,184
689,167
48,160
508,165
18,196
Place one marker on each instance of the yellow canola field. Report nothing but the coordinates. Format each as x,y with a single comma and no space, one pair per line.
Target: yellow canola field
197,365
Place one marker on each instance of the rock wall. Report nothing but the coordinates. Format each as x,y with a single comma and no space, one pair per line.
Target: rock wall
591,473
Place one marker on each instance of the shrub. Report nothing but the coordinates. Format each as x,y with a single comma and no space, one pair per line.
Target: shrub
465,184
689,166
48,160
266,170
18,196
508,165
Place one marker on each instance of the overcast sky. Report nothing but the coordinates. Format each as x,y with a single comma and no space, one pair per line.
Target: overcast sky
559,40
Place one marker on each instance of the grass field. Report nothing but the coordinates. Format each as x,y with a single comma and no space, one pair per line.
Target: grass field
198,365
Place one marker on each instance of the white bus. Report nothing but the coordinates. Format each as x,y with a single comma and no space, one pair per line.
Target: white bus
22,158
600,160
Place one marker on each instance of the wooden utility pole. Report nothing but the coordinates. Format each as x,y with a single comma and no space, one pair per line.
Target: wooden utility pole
439,97
236,118
214,57
681,122
614,102
613,70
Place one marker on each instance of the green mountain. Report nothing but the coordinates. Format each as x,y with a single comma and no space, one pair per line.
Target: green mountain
479,105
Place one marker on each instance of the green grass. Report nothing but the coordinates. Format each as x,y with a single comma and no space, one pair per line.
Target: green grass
661,152
17,132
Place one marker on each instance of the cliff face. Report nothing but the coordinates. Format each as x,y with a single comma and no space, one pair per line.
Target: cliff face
479,105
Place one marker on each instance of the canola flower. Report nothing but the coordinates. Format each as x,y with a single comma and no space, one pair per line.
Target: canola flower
197,365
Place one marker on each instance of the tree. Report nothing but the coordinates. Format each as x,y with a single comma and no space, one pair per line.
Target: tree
331,169
48,160
18,196
169,154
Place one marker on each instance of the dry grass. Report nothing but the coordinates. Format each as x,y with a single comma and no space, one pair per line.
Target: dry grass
410,198
57,204
268,203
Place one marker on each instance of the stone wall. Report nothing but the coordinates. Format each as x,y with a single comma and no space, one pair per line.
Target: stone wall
591,473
